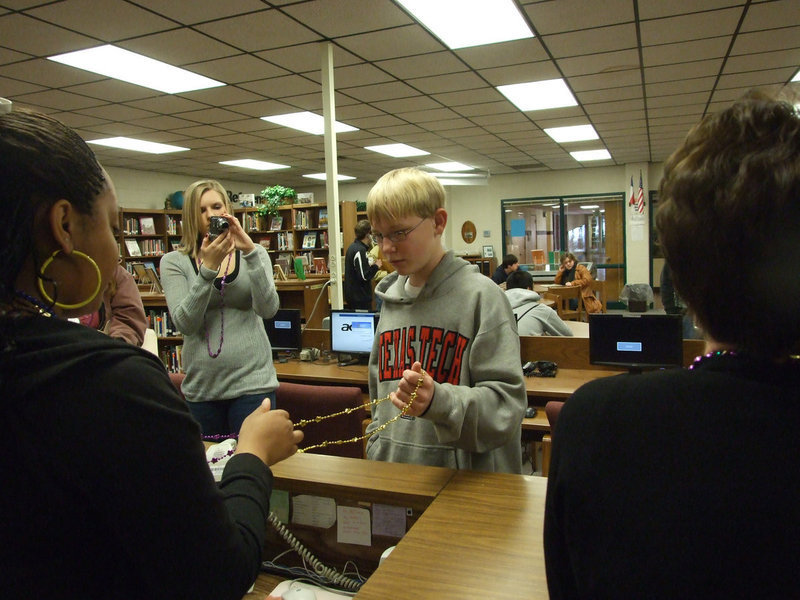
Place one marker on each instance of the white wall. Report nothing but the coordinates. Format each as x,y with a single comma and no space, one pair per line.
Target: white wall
479,204
147,189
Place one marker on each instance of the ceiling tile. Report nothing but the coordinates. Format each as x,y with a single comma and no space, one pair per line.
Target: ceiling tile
397,42
352,16
259,31
590,41
569,15
117,20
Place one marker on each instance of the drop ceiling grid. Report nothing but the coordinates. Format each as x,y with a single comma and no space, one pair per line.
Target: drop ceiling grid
395,80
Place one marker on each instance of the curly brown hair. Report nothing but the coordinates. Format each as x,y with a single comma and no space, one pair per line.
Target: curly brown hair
729,222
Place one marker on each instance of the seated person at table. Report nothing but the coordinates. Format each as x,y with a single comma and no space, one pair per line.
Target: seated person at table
121,315
440,315
509,265
108,493
571,273
683,483
533,317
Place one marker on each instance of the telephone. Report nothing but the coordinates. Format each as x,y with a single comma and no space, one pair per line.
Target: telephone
219,454
540,368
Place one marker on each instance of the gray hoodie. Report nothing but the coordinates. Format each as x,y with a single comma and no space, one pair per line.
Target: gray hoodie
462,330
534,318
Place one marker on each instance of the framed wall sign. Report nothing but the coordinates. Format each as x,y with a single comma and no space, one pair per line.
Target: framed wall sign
488,252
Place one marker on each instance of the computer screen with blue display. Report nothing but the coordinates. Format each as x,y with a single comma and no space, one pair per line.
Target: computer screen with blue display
636,342
284,331
352,334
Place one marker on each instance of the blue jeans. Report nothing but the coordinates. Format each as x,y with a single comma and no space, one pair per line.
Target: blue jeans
223,417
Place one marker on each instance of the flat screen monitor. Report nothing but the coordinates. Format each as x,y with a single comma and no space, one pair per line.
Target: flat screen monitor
352,334
283,330
636,342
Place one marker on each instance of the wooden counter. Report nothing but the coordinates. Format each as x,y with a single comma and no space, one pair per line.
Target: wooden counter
480,538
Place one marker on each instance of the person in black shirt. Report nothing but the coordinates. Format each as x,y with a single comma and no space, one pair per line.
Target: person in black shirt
649,493
108,492
509,265
358,272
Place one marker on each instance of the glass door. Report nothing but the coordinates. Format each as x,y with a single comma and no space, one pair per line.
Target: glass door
539,230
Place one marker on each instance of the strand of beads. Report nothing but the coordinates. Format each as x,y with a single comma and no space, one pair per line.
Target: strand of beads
358,438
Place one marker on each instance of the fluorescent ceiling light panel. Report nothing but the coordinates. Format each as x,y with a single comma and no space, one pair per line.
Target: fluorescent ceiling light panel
135,68
590,206
465,23
308,122
397,150
587,155
450,166
324,176
539,95
257,165
576,133
138,145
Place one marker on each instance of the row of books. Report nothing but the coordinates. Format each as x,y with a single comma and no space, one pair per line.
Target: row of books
148,247
172,357
285,241
139,226
160,321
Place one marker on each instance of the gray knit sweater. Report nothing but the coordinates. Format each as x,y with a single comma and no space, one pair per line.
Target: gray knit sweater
245,364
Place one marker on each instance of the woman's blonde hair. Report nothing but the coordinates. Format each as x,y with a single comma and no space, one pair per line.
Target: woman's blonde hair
402,193
191,237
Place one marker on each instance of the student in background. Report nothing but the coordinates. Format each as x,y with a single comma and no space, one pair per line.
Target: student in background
533,318
442,316
373,255
651,493
509,265
218,293
359,269
108,493
571,273
121,315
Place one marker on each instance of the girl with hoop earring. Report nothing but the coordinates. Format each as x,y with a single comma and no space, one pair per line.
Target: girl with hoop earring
219,290
106,466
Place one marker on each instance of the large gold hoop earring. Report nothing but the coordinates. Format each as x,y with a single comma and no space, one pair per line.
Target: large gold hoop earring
47,297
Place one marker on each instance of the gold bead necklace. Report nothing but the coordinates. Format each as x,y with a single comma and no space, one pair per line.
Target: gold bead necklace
347,411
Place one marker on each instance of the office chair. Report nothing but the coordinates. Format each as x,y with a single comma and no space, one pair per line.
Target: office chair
552,410
304,401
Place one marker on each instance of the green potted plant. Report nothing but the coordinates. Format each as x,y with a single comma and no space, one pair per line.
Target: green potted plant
273,197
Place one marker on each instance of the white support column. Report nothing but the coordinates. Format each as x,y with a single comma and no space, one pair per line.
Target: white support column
331,180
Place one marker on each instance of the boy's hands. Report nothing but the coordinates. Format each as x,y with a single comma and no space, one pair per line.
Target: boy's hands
406,387
269,434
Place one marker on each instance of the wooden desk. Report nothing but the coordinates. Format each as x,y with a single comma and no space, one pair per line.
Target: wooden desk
322,372
358,480
480,538
539,389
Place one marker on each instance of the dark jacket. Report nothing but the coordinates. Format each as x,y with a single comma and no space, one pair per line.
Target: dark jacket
357,275
678,484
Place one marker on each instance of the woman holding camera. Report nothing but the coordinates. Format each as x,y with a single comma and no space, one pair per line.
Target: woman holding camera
219,288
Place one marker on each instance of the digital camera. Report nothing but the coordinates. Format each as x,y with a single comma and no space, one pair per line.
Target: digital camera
216,226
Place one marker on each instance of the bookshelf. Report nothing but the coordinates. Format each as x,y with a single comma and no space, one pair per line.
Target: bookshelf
146,235
300,231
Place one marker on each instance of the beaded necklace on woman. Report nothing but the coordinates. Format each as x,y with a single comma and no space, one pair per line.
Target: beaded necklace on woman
222,285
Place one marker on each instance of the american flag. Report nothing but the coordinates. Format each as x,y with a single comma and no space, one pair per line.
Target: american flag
640,195
632,201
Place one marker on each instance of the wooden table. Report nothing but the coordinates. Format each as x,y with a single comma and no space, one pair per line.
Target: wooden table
539,389
480,538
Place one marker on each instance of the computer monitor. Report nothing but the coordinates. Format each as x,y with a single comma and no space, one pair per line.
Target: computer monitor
352,334
636,342
283,331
